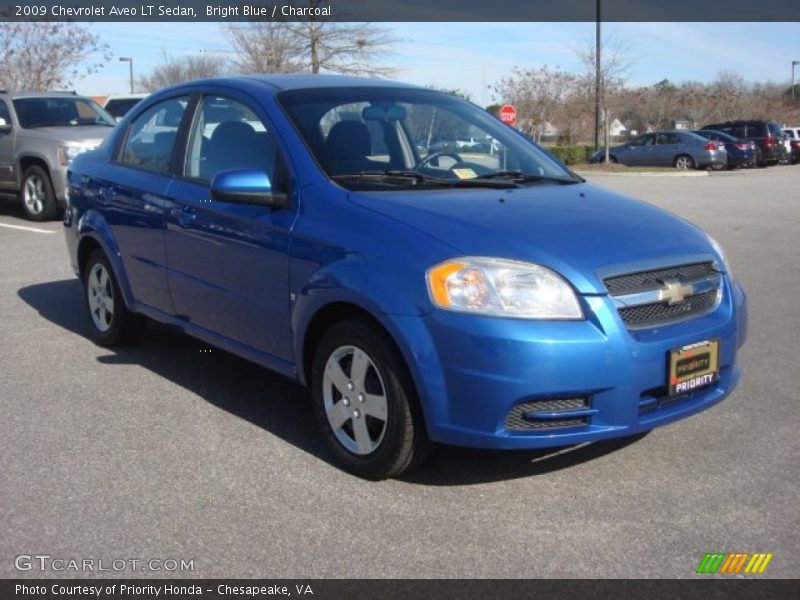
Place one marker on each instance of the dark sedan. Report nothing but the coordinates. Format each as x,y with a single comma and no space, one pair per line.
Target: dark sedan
741,153
679,149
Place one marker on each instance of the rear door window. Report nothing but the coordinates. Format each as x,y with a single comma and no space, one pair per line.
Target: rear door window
151,136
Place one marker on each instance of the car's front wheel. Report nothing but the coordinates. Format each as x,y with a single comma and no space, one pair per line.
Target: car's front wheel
112,323
38,198
365,403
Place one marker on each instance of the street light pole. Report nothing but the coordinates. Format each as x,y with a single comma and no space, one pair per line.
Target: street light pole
597,82
794,64
129,60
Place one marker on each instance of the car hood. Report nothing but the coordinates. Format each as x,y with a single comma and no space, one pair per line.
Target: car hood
83,135
582,231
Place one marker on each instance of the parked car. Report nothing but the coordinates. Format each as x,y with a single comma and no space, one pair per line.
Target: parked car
678,148
793,133
766,135
741,153
40,135
119,105
495,302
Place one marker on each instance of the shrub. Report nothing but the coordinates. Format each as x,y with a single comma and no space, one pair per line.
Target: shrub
571,155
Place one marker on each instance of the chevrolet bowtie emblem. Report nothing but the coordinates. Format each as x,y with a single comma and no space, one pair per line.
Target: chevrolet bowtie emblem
674,292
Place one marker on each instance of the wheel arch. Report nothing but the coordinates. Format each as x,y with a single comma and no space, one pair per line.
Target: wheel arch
94,233
323,319
29,160
333,312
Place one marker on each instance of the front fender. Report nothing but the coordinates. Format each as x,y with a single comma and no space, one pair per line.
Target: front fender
409,333
348,281
93,225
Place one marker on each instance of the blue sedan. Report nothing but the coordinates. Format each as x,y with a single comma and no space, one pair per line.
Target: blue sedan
741,153
677,148
484,297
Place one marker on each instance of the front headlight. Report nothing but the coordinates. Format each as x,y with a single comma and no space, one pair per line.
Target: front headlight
502,288
726,265
66,154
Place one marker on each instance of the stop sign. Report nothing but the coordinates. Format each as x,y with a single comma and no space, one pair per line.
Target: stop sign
508,114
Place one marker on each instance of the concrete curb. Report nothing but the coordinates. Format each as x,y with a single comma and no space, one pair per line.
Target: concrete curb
588,174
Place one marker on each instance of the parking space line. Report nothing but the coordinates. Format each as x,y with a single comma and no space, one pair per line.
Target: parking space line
22,228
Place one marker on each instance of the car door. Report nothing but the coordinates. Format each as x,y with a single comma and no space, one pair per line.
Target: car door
639,151
229,263
131,198
7,175
667,147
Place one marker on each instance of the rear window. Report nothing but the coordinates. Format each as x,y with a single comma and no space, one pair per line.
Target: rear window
775,129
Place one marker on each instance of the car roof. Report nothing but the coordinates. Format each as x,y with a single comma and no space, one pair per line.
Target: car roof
297,81
23,94
126,96
282,82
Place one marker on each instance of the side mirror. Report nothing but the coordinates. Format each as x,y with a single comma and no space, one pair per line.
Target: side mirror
4,127
247,186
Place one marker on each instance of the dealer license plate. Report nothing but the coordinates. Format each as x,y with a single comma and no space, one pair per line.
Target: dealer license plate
693,366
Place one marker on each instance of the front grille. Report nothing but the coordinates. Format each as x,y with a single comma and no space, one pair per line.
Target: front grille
632,283
518,421
660,312
640,297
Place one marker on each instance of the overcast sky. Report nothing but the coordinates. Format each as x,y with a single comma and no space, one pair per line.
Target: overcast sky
474,56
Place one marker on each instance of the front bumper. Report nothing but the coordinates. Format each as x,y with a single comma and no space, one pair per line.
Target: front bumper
471,371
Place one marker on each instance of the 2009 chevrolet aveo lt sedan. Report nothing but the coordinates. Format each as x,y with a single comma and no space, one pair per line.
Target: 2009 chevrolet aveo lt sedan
427,271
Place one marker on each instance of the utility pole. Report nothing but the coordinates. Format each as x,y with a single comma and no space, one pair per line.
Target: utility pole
129,60
794,64
597,82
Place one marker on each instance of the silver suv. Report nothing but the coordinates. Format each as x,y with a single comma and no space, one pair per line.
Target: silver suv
40,134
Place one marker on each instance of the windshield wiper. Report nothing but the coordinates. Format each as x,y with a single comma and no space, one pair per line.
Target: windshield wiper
417,178
516,175
48,124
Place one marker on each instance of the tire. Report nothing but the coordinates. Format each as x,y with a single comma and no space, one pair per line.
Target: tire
684,162
37,196
365,404
111,322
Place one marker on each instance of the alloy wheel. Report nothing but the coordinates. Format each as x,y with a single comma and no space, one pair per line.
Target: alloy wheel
100,293
354,398
34,194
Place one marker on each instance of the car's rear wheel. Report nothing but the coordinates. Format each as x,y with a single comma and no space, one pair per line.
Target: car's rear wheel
112,323
684,161
365,403
38,198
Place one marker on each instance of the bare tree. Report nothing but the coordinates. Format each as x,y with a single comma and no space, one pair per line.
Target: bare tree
47,56
539,95
657,106
179,69
314,45
265,47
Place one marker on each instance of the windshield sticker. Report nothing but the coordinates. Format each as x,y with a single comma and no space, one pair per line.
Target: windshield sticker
465,173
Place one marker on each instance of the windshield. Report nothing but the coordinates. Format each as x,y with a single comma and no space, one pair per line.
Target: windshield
416,137
60,111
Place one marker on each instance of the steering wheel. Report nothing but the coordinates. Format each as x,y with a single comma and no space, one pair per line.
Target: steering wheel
430,157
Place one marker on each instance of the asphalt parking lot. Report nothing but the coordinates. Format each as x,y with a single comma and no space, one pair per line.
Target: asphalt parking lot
163,451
